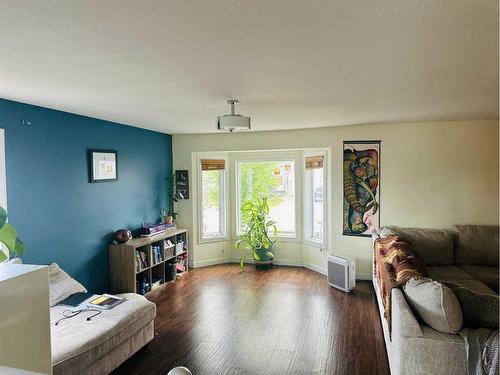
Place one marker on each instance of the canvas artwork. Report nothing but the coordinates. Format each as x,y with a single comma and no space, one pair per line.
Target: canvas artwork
361,187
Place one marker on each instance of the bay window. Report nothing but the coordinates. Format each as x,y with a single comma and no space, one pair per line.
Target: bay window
295,183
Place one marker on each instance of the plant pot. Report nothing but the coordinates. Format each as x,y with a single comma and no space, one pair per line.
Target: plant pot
263,258
262,255
263,265
168,219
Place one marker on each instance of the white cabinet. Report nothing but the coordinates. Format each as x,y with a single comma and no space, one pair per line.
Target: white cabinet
24,319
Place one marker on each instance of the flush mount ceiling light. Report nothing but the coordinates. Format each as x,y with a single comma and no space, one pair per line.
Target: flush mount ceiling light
233,122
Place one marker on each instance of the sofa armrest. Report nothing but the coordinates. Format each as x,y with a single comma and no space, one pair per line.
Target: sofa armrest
404,323
420,350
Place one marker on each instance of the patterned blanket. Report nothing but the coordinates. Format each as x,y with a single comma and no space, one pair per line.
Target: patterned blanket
395,264
482,351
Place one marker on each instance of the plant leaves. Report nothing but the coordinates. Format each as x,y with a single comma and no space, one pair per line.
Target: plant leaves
19,250
2,256
256,256
248,206
242,263
8,236
3,216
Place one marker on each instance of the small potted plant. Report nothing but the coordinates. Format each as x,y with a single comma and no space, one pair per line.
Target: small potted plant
259,234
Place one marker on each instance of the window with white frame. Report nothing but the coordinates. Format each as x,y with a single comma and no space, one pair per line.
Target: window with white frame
212,207
315,199
275,179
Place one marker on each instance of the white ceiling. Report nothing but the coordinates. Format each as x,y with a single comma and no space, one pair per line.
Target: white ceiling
171,65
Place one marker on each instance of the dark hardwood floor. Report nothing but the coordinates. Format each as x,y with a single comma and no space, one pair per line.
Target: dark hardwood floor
288,320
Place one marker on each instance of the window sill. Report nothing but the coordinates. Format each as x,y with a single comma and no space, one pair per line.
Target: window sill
314,243
212,239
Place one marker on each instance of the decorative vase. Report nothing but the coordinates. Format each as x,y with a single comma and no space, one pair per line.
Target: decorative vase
168,219
122,235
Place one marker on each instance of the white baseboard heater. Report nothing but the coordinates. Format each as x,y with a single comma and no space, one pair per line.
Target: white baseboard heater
341,273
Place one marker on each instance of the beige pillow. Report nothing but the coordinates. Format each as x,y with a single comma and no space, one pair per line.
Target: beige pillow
435,303
62,285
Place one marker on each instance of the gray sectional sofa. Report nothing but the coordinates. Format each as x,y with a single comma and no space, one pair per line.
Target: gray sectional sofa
466,255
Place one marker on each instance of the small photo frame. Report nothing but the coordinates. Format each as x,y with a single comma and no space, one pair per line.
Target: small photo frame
103,165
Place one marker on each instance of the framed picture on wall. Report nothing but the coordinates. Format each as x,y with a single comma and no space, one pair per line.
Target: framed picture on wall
103,165
182,184
361,187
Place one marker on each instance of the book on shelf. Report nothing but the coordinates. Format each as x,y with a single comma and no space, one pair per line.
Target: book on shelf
149,230
137,261
141,260
148,235
157,257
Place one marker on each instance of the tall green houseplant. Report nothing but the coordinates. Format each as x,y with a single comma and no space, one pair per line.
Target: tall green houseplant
172,198
256,236
8,236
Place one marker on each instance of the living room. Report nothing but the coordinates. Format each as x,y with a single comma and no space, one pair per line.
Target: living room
257,187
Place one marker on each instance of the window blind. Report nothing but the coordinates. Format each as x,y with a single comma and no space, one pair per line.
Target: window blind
213,164
314,162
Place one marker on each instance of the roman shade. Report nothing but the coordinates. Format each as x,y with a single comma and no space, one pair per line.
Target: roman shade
213,164
314,162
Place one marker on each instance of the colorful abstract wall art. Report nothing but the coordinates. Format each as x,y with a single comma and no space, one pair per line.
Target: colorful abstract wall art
361,187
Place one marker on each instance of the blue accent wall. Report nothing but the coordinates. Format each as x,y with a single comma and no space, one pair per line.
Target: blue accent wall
59,215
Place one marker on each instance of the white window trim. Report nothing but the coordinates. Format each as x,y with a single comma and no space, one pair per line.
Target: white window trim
223,199
307,204
269,156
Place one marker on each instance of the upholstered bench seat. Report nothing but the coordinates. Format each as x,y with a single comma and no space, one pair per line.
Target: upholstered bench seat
94,347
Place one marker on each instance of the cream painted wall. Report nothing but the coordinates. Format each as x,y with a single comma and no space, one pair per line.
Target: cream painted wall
432,175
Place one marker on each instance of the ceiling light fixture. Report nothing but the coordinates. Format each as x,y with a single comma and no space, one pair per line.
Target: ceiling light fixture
233,121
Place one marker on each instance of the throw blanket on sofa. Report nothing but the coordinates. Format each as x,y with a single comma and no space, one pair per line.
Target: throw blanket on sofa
395,264
482,351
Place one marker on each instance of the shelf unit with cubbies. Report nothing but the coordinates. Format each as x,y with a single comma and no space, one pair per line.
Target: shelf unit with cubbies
144,260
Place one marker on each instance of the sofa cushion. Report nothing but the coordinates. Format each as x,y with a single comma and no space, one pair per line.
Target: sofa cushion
479,310
435,304
476,244
486,274
448,273
62,285
77,343
433,246
475,285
